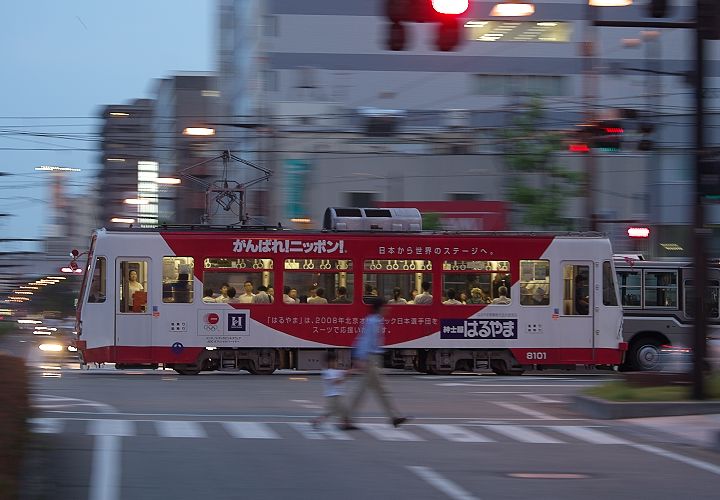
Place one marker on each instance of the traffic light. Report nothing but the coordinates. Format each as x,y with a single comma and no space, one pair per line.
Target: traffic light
608,136
446,13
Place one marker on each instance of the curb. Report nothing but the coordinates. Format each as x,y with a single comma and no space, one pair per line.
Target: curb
609,410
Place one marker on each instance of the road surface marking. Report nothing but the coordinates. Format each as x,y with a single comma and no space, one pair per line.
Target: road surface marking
108,427
539,398
455,433
590,435
706,466
527,411
179,428
446,486
522,434
385,432
250,430
105,472
524,386
46,425
309,432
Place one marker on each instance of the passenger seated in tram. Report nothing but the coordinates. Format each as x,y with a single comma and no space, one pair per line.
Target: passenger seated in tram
261,297
341,297
425,297
223,297
502,296
247,297
463,298
208,295
319,297
477,296
397,299
290,295
451,300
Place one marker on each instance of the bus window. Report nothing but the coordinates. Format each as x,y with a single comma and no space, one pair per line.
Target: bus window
609,294
177,285
630,288
319,281
382,277
238,280
712,296
576,300
97,286
133,286
661,289
535,282
484,277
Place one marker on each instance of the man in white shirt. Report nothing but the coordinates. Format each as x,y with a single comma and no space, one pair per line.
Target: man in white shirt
451,300
425,297
247,297
261,297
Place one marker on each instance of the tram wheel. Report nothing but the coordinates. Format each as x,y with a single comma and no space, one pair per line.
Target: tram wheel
265,370
187,369
500,367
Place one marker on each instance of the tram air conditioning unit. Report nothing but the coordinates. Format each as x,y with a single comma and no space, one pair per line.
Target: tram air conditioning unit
372,219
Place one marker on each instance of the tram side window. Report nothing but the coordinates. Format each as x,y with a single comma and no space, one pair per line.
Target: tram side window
133,286
630,288
712,299
661,289
609,294
97,286
177,284
476,282
576,299
535,282
318,281
238,280
399,282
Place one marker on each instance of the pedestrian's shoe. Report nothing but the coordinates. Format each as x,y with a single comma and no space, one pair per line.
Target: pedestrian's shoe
315,423
399,420
348,426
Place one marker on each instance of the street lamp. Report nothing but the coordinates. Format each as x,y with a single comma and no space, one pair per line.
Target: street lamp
513,8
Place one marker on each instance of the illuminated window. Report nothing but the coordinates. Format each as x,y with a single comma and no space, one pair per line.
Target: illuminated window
577,297
398,281
133,286
518,31
238,280
318,281
178,280
479,281
535,282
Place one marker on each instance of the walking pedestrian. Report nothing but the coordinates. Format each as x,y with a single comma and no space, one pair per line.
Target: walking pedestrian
368,357
333,390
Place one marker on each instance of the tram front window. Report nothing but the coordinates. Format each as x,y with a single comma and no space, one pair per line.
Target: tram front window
97,286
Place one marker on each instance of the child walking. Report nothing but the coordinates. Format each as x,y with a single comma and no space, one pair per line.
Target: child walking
333,390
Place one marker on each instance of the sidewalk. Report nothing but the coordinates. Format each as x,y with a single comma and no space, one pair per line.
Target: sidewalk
694,430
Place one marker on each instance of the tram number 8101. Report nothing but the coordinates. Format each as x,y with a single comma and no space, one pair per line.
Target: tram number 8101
536,356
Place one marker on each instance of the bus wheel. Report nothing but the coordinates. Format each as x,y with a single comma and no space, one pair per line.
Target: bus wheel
188,369
644,354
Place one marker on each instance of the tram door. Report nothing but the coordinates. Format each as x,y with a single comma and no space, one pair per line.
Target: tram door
578,321
133,333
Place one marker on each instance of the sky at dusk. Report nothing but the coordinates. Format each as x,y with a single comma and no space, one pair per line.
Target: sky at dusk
61,61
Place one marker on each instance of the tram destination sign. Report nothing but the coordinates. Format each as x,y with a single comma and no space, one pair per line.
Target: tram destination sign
478,329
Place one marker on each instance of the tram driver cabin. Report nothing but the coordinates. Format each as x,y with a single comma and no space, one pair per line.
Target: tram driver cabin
503,301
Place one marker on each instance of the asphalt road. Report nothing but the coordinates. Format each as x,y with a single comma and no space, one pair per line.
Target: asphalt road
109,434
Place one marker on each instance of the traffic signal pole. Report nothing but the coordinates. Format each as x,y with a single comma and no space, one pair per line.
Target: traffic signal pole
700,233
589,81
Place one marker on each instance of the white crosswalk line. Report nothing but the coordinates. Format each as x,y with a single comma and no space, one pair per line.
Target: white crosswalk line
590,435
110,427
385,432
522,434
179,428
332,432
46,425
307,430
250,430
456,433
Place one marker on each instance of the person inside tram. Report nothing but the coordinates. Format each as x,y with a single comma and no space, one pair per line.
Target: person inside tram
247,296
133,286
232,296
502,297
413,294
341,297
368,296
451,300
289,295
540,297
319,297
312,293
397,297
463,298
271,293
476,296
582,299
262,296
208,295
223,297
425,297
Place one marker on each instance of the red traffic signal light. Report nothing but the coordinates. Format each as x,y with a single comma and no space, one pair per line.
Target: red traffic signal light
451,7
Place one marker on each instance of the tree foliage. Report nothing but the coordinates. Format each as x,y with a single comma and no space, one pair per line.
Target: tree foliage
538,184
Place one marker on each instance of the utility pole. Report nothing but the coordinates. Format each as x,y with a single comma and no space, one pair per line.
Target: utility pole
589,82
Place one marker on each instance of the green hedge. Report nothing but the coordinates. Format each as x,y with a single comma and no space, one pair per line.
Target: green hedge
14,411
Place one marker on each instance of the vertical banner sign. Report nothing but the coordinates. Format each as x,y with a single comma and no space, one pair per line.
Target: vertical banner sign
296,175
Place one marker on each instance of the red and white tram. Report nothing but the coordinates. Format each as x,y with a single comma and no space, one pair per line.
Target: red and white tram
531,299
